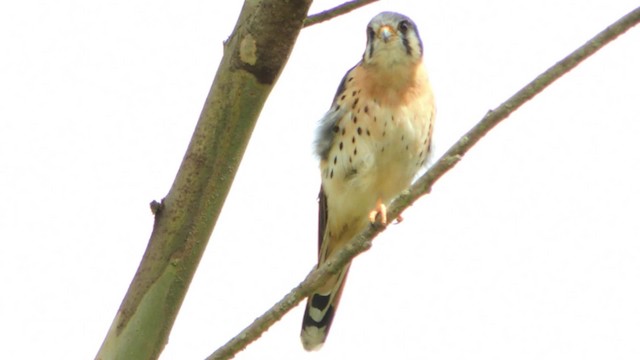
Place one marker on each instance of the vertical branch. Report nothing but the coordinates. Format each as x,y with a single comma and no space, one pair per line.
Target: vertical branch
254,56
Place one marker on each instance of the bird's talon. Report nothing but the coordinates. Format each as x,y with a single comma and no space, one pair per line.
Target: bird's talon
372,216
380,210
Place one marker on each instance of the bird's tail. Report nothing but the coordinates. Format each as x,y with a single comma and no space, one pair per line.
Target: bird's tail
321,307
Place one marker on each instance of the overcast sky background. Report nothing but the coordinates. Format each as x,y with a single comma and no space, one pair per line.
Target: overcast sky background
528,249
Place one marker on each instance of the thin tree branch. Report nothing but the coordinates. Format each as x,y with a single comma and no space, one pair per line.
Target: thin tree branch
423,185
335,12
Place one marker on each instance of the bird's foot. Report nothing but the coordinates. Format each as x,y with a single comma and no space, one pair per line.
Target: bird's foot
380,210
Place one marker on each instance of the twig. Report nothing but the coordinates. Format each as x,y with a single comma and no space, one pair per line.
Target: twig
423,185
335,12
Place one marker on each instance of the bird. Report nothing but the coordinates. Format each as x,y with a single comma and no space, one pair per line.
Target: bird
373,141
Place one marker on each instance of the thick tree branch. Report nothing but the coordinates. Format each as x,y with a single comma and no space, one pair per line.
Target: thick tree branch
335,12
423,185
254,56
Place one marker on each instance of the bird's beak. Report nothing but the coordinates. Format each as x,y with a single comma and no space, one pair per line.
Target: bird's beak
386,32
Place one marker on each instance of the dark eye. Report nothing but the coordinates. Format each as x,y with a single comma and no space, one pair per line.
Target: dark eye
403,26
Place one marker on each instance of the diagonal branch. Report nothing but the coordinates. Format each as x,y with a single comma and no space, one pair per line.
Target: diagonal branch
335,12
254,56
423,185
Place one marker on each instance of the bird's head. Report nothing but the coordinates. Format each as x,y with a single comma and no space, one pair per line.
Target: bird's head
392,40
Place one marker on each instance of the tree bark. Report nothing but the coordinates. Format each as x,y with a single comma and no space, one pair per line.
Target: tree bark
254,56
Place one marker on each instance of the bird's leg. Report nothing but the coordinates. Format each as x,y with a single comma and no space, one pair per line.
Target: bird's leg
380,209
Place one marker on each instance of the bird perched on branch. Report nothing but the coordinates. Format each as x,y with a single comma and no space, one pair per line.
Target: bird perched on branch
371,143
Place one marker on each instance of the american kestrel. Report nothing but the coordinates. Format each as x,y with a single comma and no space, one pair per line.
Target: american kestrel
371,144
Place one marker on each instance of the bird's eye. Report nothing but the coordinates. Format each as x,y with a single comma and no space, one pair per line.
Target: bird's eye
403,26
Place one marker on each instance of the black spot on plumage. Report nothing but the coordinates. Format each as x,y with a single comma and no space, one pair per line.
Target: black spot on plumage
336,128
350,173
407,45
343,130
370,36
331,175
359,131
368,132
353,140
355,119
324,323
342,97
355,151
366,109
355,103
319,301
335,160
350,160
406,147
350,79
384,133
341,145
343,85
375,119
353,93
382,150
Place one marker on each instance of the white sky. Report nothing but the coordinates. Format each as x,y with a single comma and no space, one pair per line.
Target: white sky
528,249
